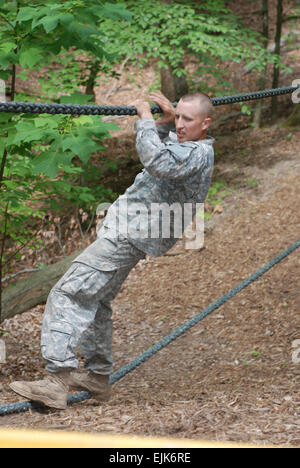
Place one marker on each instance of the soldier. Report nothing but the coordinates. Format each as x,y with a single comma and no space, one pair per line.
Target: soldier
178,157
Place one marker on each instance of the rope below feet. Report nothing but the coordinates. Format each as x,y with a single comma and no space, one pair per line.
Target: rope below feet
79,397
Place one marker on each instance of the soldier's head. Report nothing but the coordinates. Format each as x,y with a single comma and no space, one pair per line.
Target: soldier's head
193,116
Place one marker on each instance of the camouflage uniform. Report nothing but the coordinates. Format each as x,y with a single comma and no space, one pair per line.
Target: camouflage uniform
78,310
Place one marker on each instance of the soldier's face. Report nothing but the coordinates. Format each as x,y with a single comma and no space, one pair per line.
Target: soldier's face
191,124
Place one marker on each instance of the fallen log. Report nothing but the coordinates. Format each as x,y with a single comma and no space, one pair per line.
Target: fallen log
29,292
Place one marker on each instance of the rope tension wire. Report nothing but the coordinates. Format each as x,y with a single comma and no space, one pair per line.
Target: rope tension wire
71,109
79,397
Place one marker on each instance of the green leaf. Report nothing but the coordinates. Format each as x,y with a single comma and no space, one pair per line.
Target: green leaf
47,122
76,98
7,47
49,22
80,145
48,163
30,57
27,133
5,61
66,18
112,11
26,14
84,120
81,30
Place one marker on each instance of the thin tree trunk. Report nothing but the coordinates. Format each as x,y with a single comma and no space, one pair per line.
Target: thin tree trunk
276,71
294,119
263,78
94,69
173,86
2,247
2,168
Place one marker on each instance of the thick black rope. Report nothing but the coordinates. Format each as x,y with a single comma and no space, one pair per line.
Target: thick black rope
71,109
119,374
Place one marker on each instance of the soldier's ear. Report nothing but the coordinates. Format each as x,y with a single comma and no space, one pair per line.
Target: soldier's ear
206,123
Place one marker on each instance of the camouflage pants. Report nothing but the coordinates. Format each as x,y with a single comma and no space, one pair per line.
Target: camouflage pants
78,310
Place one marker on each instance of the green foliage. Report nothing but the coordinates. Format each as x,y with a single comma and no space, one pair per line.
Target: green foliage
46,157
252,182
38,30
168,31
246,109
217,192
44,160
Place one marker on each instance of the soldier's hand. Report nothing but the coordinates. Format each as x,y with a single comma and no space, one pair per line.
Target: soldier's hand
165,105
143,108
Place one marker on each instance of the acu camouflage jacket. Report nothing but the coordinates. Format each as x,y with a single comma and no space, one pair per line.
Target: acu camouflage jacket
174,175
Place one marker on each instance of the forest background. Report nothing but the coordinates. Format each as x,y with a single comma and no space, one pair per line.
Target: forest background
55,170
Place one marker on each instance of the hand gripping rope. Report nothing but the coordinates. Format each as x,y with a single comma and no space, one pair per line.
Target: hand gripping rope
19,107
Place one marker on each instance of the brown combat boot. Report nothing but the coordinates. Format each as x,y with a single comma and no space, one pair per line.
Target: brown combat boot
96,384
51,391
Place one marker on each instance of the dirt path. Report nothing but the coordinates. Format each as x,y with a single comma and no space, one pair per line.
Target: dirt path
232,377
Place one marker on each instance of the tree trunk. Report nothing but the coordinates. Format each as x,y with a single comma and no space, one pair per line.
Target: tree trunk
173,86
277,52
263,78
294,119
2,168
33,290
90,85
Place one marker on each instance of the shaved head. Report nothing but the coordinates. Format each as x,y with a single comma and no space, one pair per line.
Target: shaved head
192,117
203,100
